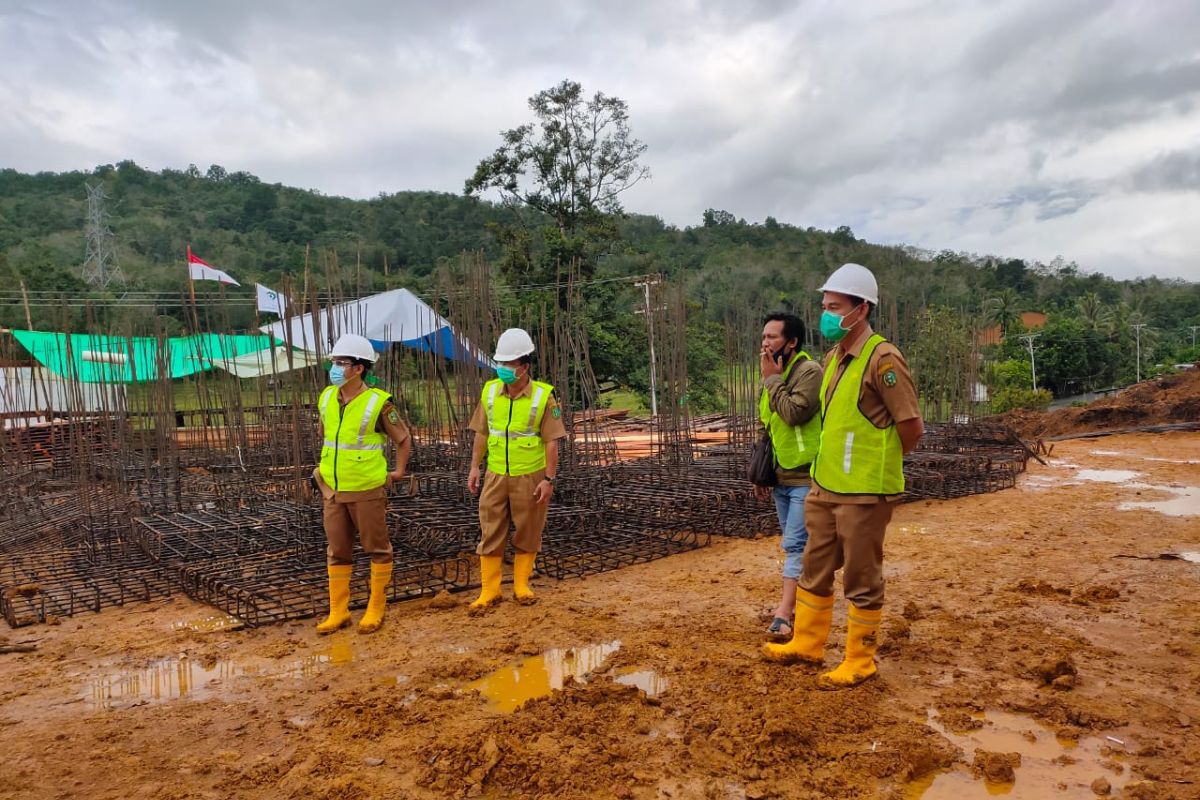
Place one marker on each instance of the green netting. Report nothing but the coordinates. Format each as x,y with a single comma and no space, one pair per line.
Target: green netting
95,358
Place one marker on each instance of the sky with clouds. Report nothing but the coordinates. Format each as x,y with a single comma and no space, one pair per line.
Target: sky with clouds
1022,128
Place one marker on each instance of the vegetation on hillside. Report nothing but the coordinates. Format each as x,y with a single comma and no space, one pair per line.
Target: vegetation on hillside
734,270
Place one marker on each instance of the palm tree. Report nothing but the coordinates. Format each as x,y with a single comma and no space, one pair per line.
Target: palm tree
1094,314
1004,310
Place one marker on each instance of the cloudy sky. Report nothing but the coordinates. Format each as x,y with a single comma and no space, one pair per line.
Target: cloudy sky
1025,128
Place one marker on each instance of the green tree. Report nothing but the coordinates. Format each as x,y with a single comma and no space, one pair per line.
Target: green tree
713,217
1092,312
1003,309
1071,358
941,358
570,167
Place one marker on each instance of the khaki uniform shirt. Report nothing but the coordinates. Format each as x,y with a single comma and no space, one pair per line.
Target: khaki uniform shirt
390,424
552,424
796,401
888,396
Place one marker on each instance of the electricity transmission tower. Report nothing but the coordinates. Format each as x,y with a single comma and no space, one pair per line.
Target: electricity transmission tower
100,267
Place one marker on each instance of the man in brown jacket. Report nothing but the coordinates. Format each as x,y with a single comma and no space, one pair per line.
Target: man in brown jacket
788,406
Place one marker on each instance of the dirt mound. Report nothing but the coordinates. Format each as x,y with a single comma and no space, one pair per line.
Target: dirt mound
605,739
1166,400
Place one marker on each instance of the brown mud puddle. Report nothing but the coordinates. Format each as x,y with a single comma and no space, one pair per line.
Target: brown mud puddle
1043,763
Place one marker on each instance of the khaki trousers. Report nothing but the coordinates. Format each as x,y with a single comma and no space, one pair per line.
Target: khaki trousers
509,499
847,536
367,519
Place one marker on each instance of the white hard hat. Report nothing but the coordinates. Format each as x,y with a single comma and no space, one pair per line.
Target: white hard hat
513,344
854,280
351,345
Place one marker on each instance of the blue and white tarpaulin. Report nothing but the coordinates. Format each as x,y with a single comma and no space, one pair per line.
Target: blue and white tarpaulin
394,317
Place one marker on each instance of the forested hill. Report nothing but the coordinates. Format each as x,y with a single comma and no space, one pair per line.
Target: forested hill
260,231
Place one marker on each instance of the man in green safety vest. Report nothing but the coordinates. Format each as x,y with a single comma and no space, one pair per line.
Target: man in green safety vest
787,411
869,420
517,424
353,476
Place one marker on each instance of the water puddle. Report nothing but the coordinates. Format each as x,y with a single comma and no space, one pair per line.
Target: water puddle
508,687
1184,503
647,680
211,624
184,677
1190,555
1106,475
1050,766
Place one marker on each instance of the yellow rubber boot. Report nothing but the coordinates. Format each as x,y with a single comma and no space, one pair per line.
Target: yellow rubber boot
522,569
814,616
381,576
489,569
339,599
862,640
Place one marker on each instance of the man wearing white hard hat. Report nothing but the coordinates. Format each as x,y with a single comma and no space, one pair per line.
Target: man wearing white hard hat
869,419
357,421
517,425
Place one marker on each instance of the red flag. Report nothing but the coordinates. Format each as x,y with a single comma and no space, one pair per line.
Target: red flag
201,270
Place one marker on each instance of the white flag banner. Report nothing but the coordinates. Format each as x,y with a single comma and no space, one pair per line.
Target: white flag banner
201,270
269,300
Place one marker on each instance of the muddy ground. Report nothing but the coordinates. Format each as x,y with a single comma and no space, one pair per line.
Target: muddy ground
1020,646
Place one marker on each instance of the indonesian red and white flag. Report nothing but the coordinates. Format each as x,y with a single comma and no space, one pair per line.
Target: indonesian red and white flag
201,270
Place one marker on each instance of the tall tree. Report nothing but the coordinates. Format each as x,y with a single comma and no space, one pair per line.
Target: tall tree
943,362
1004,309
1093,313
571,165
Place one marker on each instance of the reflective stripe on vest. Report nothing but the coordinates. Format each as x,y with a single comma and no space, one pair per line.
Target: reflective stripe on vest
795,446
352,458
515,450
855,457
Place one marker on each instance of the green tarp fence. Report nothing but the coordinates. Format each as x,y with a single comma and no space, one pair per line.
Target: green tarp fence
95,358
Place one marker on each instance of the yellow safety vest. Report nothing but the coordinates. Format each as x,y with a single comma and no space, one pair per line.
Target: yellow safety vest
795,446
352,458
515,445
855,457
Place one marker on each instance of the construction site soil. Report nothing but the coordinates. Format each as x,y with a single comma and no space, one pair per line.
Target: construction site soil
1042,641
1166,400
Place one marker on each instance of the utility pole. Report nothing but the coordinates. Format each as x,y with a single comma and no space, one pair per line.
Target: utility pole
1194,328
649,312
1029,337
1137,332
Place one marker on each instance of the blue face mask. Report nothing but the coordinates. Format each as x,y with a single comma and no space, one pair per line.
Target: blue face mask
337,375
507,375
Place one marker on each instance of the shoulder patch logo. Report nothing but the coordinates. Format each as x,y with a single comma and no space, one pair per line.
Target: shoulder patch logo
889,377
556,413
393,417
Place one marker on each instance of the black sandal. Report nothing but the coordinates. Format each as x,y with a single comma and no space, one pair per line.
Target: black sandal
777,626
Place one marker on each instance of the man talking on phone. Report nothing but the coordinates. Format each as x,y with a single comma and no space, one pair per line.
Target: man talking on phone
787,411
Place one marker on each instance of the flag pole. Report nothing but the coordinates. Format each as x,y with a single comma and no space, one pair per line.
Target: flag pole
192,291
